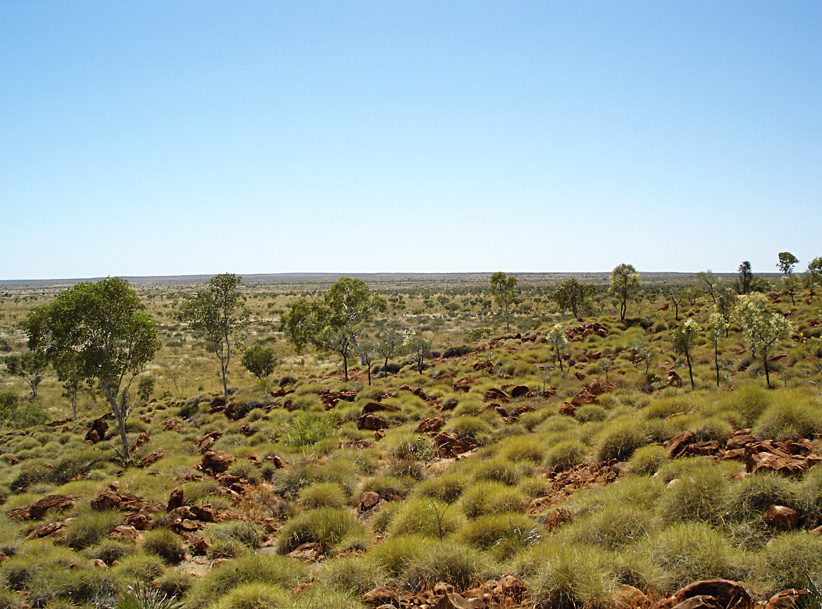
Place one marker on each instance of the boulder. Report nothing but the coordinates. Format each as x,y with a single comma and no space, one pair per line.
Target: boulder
495,394
372,422
678,443
368,500
216,461
519,391
381,596
207,441
781,517
674,380
125,533
51,503
464,384
97,431
430,425
378,407
727,594
176,499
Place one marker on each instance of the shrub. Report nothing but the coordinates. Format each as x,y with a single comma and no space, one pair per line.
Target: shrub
809,498
648,459
590,412
10,600
395,553
620,439
689,552
508,532
749,496
165,544
612,527
565,455
322,494
497,470
697,495
326,526
425,516
241,532
109,551
492,498
789,421
522,448
254,595
447,487
252,568
352,574
174,583
787,559
450,562
90,527
146,597
750,401
140,567
569,577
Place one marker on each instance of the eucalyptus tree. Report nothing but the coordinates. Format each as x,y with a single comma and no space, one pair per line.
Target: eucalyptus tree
102,330
761,327
787,262
813,275
573,295
624,286
504,290
683,340
559,343
717,326
216,314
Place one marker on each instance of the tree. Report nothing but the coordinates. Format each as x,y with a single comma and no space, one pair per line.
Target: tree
717,326
624,286
762,328
350,303
725,303
333,324
145,387
504,290
216,314
573,295
389,343
683,340
786,263
745,278
259,361
710,282
369,348
814,272
102,329
676,296
556,338
29,366
420,349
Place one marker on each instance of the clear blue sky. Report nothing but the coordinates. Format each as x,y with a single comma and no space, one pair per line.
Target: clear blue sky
195,137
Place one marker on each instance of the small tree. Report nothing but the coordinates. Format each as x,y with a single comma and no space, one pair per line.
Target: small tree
216,314
717,326
787,262
259,361
814,273
389,343
29,366
676,296
339,341
368,348
420,349
349,304
762,327
725,303
707,279
744,279
102,329
559,343
574,296
504,290
624,287
145,387
683,339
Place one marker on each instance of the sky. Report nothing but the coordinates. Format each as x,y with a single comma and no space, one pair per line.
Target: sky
200,137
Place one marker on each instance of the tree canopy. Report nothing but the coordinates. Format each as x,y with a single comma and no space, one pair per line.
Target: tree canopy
624,286
504,290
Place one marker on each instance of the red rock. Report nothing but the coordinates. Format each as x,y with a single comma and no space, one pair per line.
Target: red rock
97,431
378,407
781,517
309,552
584,397
628,597
678,443
125,533
495,394
55,531
430,425
152,459
368,500
216,461
207,441
201,545
568,409
452,601
51,503
519,391
451,445
674,380
381,596
176,499
372,422
556,518
786,599
726,593
702,601
142,439
464,384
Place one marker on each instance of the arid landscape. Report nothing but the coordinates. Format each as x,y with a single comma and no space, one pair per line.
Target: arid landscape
561,441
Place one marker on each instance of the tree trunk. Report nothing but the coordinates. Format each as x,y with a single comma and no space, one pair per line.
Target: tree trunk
690,369
118,410
716,363
767,372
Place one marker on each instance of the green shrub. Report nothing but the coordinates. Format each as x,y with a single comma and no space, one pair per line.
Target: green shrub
395,553
425,516
590,413
620,439
565,455
447,487
109,551
326,526
140,567
697,495
689,552
647,459
750,401
322,494
492,498
789,421
506,534
140,596
809,498
10,600
174,583
497,470
267,569
165,544
90,527
748,497
570,577
454,563
352,574
522,448
613,526
254,595
243,532
786,561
